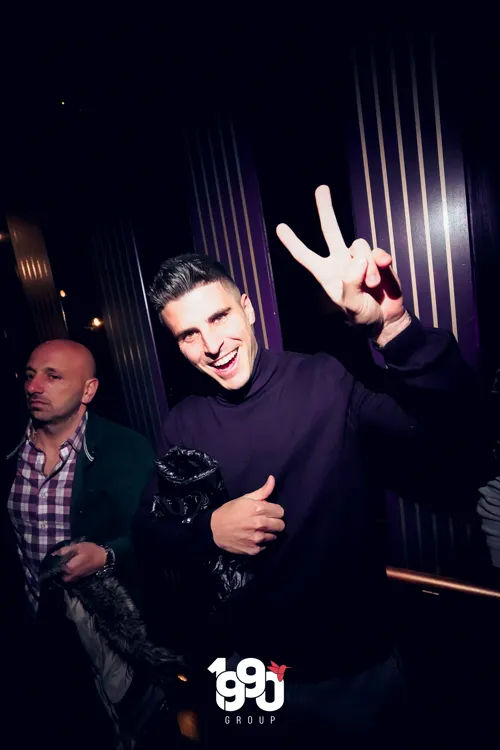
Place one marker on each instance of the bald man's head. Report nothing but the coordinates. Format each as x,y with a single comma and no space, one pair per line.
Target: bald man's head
60,380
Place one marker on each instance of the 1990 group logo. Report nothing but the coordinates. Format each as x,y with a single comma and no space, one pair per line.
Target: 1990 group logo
249,680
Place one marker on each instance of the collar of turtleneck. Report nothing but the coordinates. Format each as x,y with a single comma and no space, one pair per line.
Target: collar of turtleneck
264,369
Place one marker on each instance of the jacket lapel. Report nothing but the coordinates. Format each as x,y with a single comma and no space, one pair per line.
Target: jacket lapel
88,456
8,471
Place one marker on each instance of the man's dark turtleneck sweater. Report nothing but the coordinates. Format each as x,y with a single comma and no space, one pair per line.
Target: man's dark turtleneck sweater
318,602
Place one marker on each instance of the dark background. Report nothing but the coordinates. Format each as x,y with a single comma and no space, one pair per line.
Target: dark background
114,149
130,87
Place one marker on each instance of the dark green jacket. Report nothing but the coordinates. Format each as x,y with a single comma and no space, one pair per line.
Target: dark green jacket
112,469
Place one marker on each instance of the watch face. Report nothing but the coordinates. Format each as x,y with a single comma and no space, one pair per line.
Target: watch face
110,561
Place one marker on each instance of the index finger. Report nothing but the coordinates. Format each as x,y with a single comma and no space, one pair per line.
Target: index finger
328,221
270,510
272,524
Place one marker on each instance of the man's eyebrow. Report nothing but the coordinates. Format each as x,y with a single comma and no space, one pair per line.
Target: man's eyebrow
185,333
211,319
50,370
216,314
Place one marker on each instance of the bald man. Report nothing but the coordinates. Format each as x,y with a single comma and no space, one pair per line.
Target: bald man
74,474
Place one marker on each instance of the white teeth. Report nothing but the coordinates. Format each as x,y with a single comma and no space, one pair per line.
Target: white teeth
228,358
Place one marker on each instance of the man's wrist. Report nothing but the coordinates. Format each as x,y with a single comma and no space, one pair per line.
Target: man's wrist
109,562
393,329
214,517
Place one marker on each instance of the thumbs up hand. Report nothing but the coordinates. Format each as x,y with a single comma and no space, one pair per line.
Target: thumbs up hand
243,525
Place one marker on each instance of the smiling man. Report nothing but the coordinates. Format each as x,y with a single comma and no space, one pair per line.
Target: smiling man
213,328
301,444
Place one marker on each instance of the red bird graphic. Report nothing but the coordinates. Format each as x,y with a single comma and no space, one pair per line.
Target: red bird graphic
279,671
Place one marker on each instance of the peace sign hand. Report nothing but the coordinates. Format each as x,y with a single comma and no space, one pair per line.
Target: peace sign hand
357,279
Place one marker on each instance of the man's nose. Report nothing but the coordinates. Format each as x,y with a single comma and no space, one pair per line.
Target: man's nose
34,385
212,343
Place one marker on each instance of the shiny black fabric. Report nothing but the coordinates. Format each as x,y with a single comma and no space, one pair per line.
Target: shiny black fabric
191,482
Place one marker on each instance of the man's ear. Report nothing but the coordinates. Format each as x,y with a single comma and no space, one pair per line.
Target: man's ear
90,390
248,308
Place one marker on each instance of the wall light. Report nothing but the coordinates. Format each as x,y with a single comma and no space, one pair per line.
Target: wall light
96,323
63,293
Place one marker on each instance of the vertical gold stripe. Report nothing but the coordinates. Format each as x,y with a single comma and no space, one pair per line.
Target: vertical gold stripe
364,153
403,529
209,205
249,237
383,163
442,180
404,187
196,196
221,207
233,211
423,188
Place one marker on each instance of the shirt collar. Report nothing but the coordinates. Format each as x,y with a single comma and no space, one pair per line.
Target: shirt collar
75,440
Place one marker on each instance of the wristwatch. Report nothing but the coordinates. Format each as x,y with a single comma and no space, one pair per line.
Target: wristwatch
110,561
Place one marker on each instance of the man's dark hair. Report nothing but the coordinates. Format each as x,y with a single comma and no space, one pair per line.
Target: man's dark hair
180,275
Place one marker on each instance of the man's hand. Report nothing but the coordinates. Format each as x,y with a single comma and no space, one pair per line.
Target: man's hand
87,558
242,525
357,279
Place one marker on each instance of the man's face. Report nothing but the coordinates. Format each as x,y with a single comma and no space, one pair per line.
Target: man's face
213,328
57,383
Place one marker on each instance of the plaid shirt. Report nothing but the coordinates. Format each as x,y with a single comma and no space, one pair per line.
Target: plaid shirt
39,505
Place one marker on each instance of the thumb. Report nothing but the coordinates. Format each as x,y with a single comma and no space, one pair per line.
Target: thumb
263,492
68,552
63,551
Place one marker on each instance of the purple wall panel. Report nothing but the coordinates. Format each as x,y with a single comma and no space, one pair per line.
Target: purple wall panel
408,189
226,217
